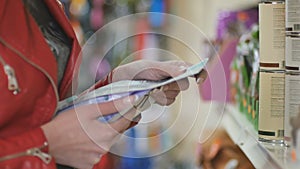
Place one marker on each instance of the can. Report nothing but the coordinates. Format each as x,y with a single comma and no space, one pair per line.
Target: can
292,15
270,1
292,51
271,106
272,34
292,105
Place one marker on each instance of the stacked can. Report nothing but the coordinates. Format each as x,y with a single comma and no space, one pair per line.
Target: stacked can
292,15
272,71
292,79
292,104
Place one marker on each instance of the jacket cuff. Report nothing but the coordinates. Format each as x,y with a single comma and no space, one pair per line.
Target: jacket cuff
18,144
107,80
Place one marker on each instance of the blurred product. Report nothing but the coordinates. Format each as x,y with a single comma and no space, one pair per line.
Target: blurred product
97,15
292,15
295,131
292,51
231,26
245,75
156,17
220,152
272,34
271,106
292,105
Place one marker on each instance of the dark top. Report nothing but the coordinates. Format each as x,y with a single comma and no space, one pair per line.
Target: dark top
55,37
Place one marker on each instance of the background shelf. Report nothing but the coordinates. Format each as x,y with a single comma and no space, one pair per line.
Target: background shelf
262,155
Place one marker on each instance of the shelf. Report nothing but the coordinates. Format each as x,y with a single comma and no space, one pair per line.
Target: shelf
262,155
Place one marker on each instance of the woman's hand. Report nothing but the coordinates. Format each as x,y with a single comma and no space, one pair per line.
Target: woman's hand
149,70
76,138
155,71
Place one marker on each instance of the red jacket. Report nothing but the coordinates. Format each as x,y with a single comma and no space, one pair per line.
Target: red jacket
23,48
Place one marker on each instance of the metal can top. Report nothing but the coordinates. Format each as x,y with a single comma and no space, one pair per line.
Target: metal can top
271,71
273,1
293,34
292,72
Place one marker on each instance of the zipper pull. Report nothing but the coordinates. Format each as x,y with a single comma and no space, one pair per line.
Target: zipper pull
12,80
46,158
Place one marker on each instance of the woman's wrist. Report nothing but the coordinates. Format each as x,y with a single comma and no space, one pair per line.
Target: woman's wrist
49,133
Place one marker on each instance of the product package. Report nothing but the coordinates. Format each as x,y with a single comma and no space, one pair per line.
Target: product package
272,34
292,106
220,152
292,15
271,106
244,75
292,51
120,89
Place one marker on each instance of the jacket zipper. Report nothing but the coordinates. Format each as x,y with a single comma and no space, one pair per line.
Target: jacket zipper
11,77
37,152
34,65
46,158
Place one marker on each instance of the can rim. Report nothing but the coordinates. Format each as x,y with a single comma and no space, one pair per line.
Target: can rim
293,34
290,72
273,2
272,71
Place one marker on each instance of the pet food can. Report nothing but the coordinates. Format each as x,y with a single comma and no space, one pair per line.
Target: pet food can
271,106
292,15
292,105
292,51
272,34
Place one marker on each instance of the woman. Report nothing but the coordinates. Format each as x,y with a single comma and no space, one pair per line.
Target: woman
38,52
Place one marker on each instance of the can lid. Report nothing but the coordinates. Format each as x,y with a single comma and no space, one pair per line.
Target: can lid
272,70
293,34
290,72
273,1
291,68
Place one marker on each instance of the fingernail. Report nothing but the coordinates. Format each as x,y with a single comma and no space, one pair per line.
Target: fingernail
131,99
199,80
164,88
127,100
233,163
136,98
137,118
182,68
160,89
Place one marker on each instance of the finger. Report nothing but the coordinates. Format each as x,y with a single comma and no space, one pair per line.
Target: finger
172,68
200,78
162,70
171,94
168,93
124,122
95,159
136,120
180,85
165,101
162,99
183,84
93,111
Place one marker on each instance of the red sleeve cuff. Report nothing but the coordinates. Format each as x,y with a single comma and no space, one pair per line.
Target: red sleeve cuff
23,142
107,80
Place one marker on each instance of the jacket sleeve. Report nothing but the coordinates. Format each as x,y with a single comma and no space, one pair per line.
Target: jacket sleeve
28,150
105,81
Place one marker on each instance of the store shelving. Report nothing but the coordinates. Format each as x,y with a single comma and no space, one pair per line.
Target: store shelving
262,155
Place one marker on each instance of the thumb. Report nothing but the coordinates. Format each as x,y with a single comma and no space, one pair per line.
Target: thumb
93,111
164,70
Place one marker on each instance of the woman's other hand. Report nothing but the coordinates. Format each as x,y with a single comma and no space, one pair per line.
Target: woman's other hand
76,138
